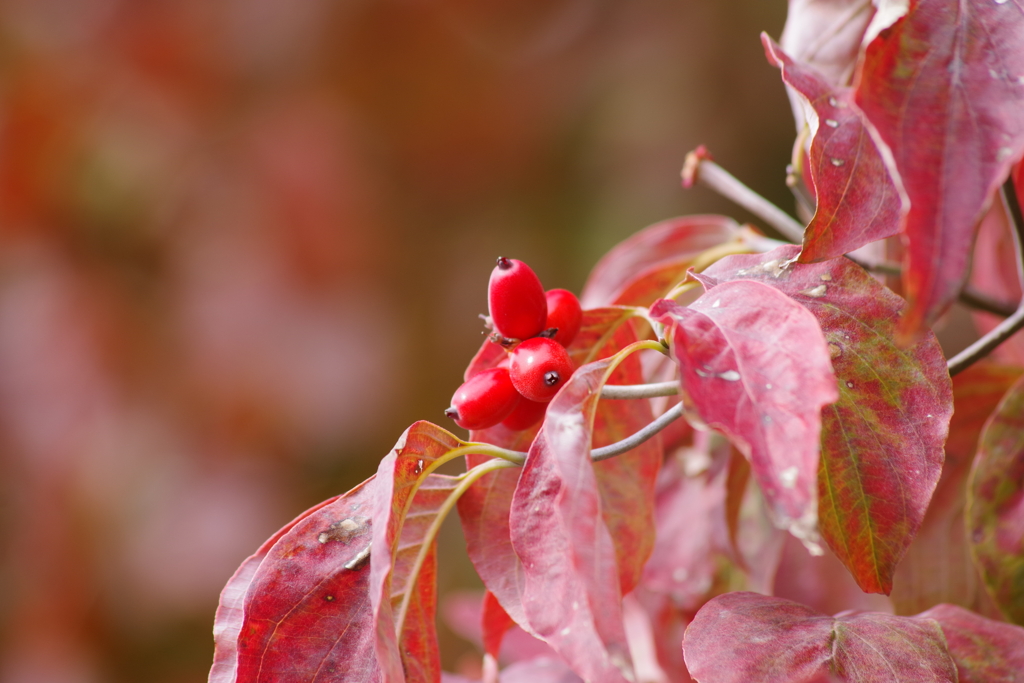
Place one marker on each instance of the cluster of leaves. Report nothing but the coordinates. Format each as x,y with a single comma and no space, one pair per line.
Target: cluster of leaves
818,403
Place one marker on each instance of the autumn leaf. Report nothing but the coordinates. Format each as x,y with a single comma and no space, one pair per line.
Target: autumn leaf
645,266
755,366
995,517
743,637
938,567
857,200
881,447
942,89
984,650
294,610
826,35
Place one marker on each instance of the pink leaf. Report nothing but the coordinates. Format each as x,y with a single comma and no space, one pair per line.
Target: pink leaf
743,637
857,200
942,89
645,266
882,441
826,35
984,650
755,366
572,596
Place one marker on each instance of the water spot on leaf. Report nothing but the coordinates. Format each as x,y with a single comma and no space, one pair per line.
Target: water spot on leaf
788,477
566,631
343,530
730,376
826,277
718,302
815,292
419,466
767,386
849,385
1001,2
831,123
838,162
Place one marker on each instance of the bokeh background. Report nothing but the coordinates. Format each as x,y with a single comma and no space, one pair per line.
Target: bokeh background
244,243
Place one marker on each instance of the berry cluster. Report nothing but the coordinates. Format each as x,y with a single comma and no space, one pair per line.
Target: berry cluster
535,327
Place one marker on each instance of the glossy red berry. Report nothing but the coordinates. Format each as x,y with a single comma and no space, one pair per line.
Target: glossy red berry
564,314
484,400
526,414
539,367
516,300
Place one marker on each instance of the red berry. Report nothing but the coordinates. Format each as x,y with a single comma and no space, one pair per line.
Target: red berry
565,314
516,300
526,414
484,400
539,367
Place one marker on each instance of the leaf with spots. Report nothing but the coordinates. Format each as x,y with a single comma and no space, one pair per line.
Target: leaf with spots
881,446
995,513
645,266
984,650
857,200
943,88
743,637
294,612
754,365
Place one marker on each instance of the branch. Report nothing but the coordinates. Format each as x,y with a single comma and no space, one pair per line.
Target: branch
623,391
631,442
699,168
1015,322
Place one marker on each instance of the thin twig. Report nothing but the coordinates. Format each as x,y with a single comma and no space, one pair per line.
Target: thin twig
631,442
623,391
986,344
701,169
972,298
1015,322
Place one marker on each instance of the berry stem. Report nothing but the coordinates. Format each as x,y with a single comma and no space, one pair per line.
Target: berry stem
631,442
626,391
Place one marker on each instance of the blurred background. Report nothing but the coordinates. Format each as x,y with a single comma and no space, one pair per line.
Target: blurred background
244,243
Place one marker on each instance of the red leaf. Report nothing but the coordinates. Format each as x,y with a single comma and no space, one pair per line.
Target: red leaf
645,266
293,611
942,89
984,650
494,622
755,366
882,441
826,35
743,637
857,200
942,539
995,515
572,594
407,500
